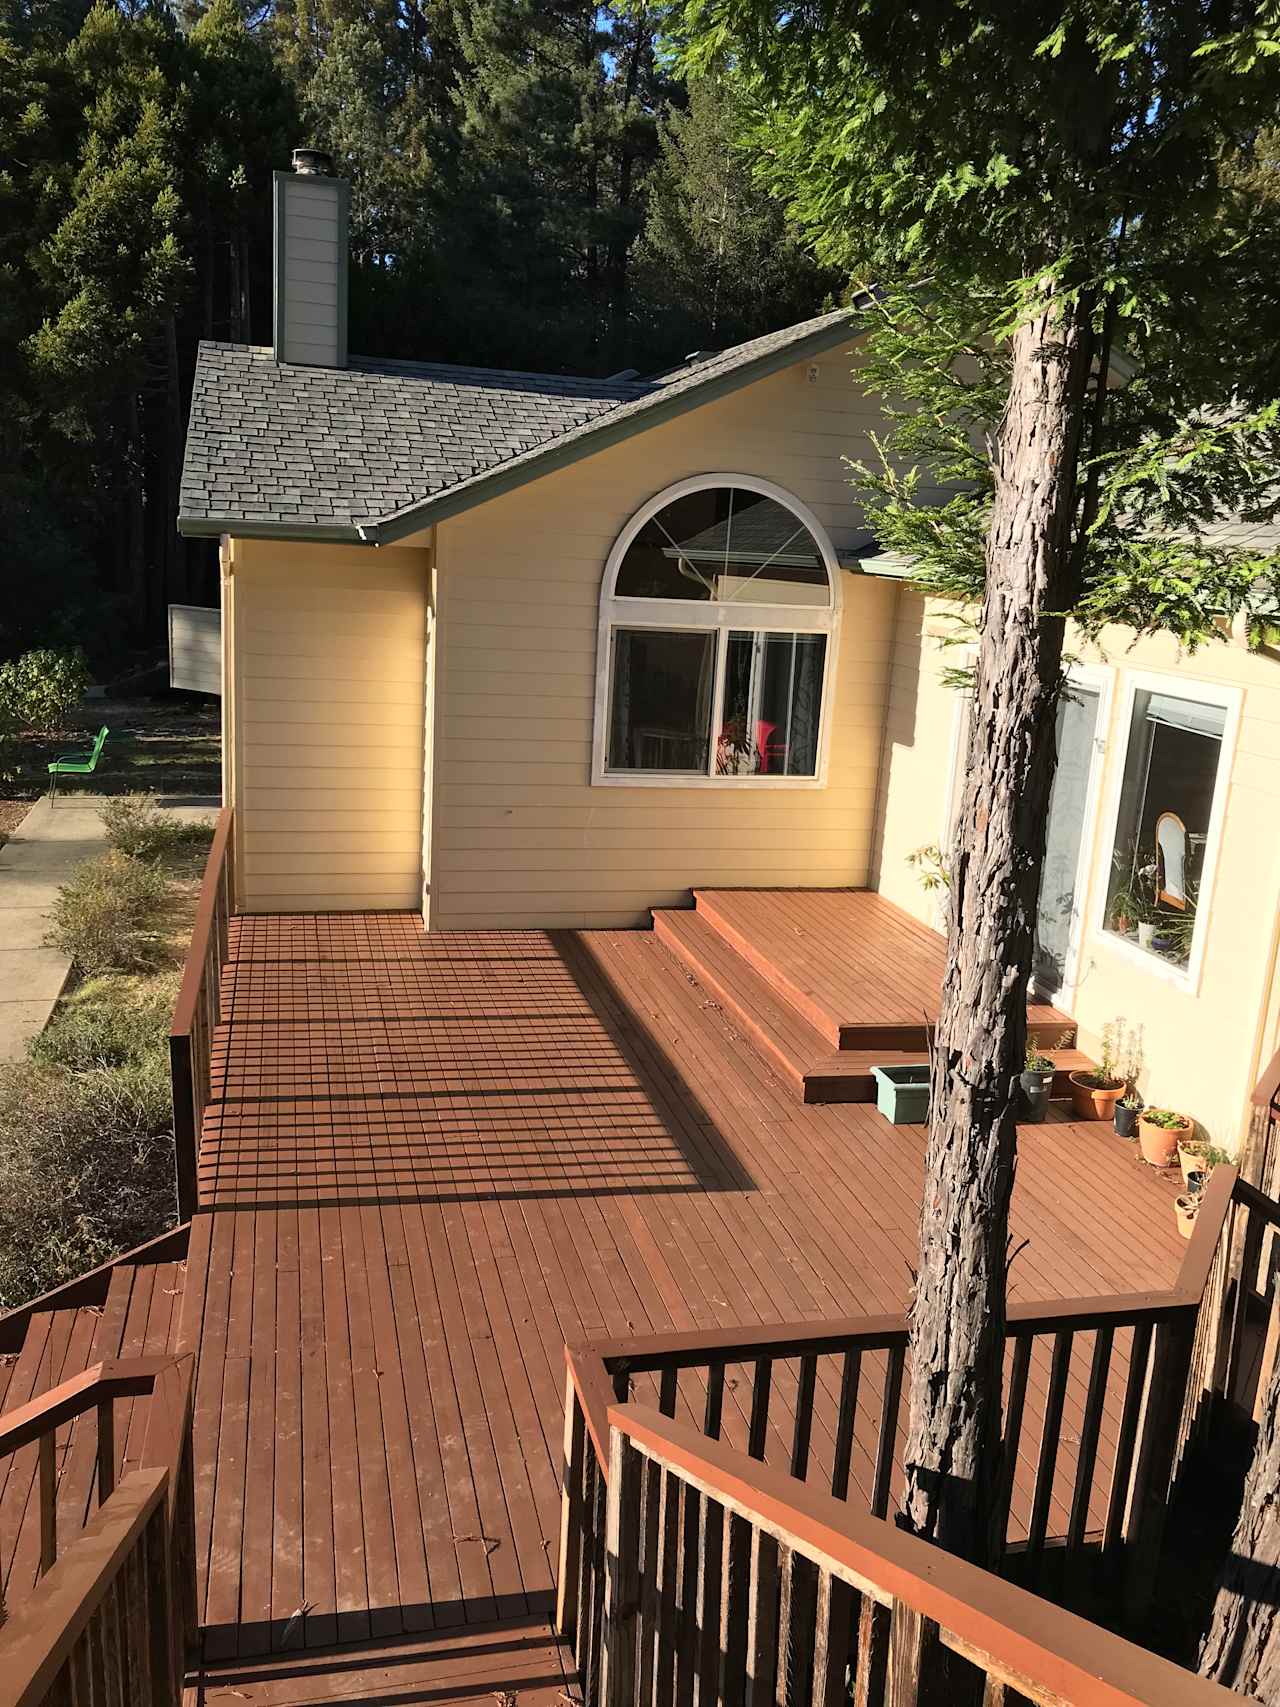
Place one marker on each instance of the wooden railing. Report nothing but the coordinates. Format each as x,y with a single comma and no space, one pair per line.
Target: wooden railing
725,1581
111,1620
1153,1369
198,1010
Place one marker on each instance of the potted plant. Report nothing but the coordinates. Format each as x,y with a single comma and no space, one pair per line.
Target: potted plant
1036,1083
1095,1093
902,1093
1185,1209
1159,1132
1126,1116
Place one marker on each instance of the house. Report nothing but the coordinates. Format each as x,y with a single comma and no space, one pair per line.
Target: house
529,651
536,1315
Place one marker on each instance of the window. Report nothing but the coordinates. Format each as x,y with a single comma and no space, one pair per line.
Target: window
1167,821
716,632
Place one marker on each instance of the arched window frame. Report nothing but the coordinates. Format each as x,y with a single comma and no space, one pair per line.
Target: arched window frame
696,617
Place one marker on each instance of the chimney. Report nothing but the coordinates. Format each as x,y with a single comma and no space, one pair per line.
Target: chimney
310,262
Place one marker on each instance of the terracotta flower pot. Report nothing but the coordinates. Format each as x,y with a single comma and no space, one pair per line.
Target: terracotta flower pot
1094,1102
1186,1209
1159,1144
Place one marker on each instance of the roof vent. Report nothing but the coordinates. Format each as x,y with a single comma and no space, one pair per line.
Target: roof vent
311,221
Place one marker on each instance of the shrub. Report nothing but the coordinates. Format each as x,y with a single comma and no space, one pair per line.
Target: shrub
41,689
110,1021
86,1169
104,917
136,826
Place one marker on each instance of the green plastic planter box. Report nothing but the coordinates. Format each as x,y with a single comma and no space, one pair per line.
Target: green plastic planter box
902,1094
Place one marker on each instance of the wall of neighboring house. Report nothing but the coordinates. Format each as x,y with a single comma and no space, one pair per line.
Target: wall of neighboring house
327,651
519,836
1204,1039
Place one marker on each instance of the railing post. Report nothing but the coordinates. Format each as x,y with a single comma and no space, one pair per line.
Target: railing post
185,1140
571,1513
622,1574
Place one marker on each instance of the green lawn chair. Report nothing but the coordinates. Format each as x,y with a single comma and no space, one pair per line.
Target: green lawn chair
77,764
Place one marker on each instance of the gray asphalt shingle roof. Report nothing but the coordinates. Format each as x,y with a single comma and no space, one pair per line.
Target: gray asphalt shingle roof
380,448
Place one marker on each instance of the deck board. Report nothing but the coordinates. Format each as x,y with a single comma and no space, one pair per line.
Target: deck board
436,1159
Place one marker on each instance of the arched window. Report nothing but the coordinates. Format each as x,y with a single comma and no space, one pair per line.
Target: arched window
718,618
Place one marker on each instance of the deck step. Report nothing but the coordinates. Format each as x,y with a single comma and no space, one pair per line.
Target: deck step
799,1052
788,957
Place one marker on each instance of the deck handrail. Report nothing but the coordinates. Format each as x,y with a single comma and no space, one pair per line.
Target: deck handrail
134,1559
751,1523
198,1010
1187,1347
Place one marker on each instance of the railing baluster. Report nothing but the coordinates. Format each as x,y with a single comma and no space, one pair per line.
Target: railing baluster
1249,1256
715,1402
622,1573
762,1619
845,1421
759,1407
710,1597
804,1417
687,1634
106,1449
48,1501
1090,1430
572,1516
833,1648
1050,1435
648,1627
888,1430
1012,1439
734,1625
667,1391
668,1619
1118,1501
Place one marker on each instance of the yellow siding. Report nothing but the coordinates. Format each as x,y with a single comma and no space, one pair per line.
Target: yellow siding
1203,1045
519,836
329,659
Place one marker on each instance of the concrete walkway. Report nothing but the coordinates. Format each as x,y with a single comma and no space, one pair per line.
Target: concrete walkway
53,838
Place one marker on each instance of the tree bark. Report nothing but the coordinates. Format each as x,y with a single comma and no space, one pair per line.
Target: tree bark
958,1311
1241,1649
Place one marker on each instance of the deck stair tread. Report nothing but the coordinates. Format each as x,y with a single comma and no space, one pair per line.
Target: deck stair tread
864,973
519,1660
136,1318
798,1050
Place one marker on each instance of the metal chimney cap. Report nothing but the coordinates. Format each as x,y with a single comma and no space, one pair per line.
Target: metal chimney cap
312,163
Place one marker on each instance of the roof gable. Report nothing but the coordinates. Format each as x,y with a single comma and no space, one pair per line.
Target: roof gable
379,450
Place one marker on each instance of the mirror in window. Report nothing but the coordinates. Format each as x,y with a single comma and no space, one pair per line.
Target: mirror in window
1162,829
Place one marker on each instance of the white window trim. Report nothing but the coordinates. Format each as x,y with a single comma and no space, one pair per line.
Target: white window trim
1099,679
1227,699
679,616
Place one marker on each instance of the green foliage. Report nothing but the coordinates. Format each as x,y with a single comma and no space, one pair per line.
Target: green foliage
717,260
105,916
137,826
109,1021
40,690
1165,1118
86,1169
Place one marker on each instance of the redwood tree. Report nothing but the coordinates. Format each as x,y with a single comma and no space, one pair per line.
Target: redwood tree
1056,181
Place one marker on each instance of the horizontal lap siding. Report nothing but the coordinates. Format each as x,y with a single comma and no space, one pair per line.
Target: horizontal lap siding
519,835
1203,1046
330,661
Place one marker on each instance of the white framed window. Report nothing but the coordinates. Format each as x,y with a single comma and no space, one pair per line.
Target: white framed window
1164,822
719,612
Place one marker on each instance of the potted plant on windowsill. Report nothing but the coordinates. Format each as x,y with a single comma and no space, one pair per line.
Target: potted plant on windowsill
1159,1132
1095,1093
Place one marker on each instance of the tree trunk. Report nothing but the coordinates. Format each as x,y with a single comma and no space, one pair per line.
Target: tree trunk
1241,1650
958,1310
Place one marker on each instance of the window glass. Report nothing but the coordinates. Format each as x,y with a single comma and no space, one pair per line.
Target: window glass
660,711
724,543
1162,830
772,705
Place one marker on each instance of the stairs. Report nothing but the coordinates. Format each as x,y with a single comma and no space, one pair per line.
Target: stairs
797,1011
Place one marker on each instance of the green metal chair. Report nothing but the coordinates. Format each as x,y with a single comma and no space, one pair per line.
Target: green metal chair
77,764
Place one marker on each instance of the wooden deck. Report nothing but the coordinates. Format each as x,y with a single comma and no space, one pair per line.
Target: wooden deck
432,1161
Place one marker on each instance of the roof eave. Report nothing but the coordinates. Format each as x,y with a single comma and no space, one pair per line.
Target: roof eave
329,533
556,454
